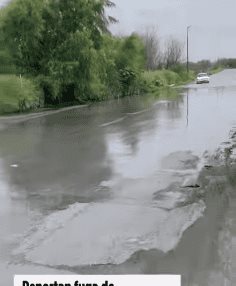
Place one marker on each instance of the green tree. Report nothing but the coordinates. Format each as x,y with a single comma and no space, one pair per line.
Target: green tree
23,27
131,62
57,42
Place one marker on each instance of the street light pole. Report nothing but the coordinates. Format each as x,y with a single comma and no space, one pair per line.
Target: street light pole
188,49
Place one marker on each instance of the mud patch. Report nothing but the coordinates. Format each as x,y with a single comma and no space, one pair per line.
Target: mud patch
183,160
176,196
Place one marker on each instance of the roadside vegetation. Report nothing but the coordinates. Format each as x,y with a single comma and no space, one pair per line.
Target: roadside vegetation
154,80
18,94
55,53
213,67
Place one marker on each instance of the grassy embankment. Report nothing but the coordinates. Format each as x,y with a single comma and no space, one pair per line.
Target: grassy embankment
18,95
216,70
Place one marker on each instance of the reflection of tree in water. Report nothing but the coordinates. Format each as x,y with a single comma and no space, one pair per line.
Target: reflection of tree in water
139,117
173,110
63,157
143,116
64,161
131,126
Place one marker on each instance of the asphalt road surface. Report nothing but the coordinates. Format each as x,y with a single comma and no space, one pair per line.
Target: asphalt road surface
140,185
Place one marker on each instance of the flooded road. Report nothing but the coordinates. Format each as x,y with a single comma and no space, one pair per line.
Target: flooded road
139,185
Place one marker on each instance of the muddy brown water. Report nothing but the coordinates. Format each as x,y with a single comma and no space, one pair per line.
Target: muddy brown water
136,186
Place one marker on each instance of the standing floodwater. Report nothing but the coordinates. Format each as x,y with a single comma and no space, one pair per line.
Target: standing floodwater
130,186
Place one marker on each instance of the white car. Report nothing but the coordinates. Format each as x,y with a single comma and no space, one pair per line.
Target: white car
203,78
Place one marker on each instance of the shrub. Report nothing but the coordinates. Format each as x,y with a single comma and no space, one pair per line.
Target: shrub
18,94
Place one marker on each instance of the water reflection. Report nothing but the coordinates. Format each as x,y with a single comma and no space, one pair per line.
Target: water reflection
60,160
111,155
63,158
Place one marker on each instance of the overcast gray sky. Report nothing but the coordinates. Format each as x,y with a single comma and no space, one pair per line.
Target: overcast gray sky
2,2
213,32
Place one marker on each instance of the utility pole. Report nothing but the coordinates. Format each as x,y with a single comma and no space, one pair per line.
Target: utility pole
188,48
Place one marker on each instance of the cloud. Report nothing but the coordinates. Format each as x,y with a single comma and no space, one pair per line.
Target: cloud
213,23
2,2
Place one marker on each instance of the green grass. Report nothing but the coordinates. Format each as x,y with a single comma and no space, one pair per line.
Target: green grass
216,70
17,95
154,80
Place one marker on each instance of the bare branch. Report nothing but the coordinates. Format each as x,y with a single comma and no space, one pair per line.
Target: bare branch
173,52
152,48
